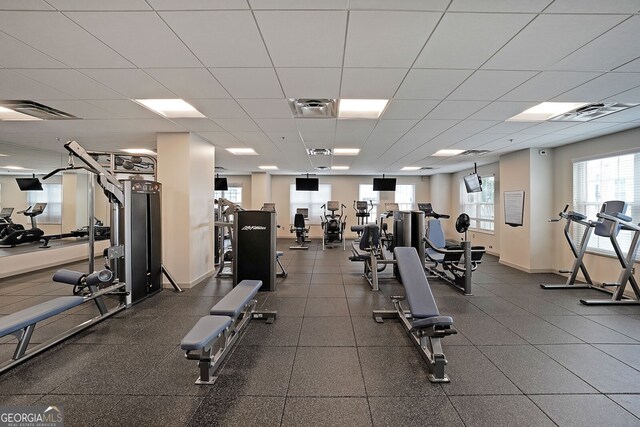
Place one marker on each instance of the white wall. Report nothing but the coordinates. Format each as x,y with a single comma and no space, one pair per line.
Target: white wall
345,189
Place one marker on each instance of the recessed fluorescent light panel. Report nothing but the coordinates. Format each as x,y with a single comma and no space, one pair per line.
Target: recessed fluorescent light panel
171,108
242,151
339,168
139,151
346,151
16,168
410,168
7,114
447,153
268,168
361,108
545,111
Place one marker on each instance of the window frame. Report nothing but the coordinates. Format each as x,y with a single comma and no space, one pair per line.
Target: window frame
478,204
52,214
315,200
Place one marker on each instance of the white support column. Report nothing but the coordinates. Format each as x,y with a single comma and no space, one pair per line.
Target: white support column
260,189
186,171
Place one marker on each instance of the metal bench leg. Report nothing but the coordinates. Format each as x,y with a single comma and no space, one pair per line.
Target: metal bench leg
24,337
432,348
205,365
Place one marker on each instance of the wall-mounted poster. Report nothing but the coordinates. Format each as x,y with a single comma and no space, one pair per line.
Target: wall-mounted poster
514,208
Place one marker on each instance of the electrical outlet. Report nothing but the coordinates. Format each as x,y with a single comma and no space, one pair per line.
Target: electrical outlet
490,247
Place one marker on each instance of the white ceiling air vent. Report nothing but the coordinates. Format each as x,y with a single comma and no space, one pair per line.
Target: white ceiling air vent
473,153
592,111
322,168
314,108
220,168
319,151
427,168
35,109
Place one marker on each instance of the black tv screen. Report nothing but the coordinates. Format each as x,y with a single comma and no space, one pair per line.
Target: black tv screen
307,184
221,184
384,184
472,183
29,184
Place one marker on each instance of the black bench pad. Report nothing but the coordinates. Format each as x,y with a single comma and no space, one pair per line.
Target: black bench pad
233,303
203,332
432,321
23,318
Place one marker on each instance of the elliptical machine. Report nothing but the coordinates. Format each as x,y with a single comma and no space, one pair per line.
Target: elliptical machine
16,234
333,225
299,227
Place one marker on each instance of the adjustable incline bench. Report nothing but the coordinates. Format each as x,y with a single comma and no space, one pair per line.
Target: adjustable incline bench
369,251
227,319
21,324
422,321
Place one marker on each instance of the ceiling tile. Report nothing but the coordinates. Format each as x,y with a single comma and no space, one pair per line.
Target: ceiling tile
370,83
316,129
612,49
249,82
64,40
583,128
601,88
191,83
631,96
395,126
72,82
24,5
408,109
266,108
310,82
250,138
16,54
548,39
397,46
122,109
219,108
291,43
593,6
130,83
437,5
78,108
456,109
531,6
218,137
501,110
284,137
548,127
547,85
209,36
16,86
431,84
198,4
509,127
98,5
198,125
350,132
141,37
472,126
489,85
238,125
632,67
299,4
277,125
467,40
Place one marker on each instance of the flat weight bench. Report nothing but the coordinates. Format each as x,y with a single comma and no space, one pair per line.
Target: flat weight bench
423,321
21,324
227,319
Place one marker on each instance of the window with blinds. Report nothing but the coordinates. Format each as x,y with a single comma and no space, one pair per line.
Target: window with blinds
312,200
480,206
52,196
366,193
608,178
233,194
405,197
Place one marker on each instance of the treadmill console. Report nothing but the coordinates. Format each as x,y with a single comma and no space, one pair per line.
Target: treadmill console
333,205
304,212
269,207
391,207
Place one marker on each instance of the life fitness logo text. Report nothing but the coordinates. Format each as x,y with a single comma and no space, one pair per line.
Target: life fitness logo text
253,228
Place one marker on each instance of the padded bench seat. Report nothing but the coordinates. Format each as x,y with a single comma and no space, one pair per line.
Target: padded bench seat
234,302
203,332
16,321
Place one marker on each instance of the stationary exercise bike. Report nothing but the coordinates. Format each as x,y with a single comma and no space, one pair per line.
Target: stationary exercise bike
300,228
16,234
333,225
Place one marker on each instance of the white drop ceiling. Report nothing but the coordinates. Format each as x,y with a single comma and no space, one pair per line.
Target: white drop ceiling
454,71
